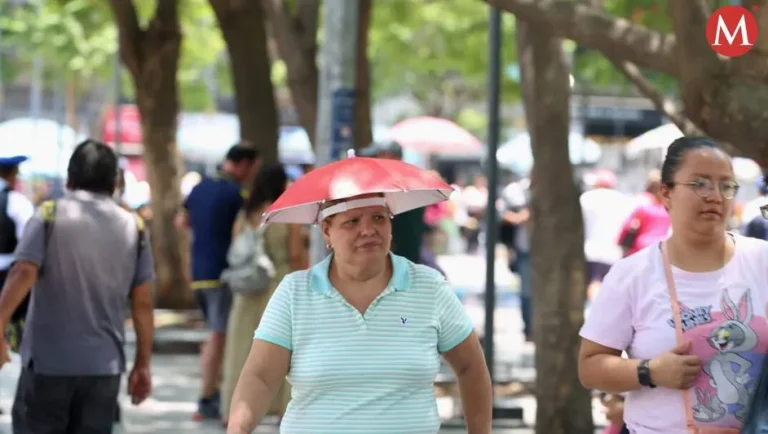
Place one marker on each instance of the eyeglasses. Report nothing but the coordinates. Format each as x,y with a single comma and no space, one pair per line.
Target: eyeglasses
704,188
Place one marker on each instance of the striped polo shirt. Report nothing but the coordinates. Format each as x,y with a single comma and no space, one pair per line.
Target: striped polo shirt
364,373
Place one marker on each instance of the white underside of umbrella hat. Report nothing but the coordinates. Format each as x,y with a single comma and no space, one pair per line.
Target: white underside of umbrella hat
397,202
407,189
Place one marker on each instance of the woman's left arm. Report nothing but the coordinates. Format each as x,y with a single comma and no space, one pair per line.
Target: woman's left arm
458,343
467,361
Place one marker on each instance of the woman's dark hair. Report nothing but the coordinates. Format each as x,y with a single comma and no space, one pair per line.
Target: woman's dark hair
676,154
267,187
93,167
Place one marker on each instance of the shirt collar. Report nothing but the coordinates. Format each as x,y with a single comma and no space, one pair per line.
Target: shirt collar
87,195
400,281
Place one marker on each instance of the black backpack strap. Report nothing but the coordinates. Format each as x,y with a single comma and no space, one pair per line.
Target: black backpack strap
7,226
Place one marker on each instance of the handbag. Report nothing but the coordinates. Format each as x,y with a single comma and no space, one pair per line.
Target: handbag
690,422
249,270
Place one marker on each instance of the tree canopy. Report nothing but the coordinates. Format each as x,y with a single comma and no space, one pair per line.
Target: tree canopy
724,98
79,38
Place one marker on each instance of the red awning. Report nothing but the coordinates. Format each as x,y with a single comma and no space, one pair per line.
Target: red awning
131,135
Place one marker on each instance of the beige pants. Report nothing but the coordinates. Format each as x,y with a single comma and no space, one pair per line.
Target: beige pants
243,319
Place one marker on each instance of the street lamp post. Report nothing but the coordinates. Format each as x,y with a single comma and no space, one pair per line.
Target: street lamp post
336,93
494,85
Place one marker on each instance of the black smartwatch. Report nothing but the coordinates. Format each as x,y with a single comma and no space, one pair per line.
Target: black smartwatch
644,374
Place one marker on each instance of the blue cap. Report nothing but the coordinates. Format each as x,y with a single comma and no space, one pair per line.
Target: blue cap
12,161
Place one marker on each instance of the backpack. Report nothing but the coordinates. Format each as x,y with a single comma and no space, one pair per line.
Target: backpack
250,270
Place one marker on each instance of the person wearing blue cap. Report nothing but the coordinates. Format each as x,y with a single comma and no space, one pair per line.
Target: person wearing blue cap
15,211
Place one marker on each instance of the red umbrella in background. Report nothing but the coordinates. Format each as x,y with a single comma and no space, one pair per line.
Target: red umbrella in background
405,187
430,135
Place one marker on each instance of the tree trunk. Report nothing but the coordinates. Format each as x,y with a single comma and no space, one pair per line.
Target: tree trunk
296,38
152,56
557,239
242,24
363,128
70,101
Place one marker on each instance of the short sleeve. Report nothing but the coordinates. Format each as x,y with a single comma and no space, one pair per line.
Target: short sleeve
514,196
276,324
454,325
20,209
31,246
609,322
145,270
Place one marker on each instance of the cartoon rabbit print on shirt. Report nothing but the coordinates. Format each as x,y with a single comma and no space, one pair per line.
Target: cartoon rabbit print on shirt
727,369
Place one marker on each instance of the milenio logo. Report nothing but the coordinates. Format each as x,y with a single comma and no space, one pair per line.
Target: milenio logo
732,31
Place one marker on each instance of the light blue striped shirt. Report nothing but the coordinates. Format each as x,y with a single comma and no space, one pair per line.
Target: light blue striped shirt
371,373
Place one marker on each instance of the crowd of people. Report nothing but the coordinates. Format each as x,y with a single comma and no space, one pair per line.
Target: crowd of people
673,338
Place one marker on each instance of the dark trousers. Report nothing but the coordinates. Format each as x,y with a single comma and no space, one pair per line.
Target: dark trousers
52,404
526,311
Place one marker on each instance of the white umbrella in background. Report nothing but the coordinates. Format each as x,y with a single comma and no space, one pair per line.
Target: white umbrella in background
516,154
746,170
658,139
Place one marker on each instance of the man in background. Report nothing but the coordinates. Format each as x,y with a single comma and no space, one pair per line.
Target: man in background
210,212
89,260
604,211
408,228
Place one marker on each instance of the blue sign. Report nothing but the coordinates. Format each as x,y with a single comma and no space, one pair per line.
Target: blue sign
342,122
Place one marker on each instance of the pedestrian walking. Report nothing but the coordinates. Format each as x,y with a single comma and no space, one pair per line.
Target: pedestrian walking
259,259
210,212
689,311
360,335
89,262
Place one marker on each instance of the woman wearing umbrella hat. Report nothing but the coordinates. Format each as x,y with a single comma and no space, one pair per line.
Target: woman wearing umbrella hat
360,334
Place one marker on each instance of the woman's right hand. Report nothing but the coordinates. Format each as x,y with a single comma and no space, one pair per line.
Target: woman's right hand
675,369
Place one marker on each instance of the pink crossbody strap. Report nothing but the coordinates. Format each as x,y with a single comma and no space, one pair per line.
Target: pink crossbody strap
678,330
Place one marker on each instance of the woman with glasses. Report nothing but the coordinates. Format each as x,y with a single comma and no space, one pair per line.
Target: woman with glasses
689,311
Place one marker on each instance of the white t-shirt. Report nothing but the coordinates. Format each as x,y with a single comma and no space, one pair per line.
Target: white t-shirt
517,195
723,316
605,211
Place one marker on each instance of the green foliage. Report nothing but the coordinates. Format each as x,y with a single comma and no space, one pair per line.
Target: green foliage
79,37
434,49
69,35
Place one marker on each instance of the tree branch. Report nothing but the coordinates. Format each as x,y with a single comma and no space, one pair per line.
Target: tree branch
664,105
594,29
130,34
307,12
167,13
283,30
689,19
